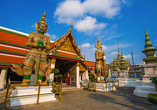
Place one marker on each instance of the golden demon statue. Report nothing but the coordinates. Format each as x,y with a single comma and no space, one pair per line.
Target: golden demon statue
100,59
36,56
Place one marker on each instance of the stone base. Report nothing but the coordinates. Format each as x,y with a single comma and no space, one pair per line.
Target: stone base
102,87
114,74
143,88
148,71
20,91
123,74
127,82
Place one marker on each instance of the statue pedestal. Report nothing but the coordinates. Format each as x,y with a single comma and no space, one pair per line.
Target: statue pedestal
20,91
114,74
124,81
143,88
102,87
148,71
123,74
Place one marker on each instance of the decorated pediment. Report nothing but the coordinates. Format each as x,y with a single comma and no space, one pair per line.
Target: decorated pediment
67,45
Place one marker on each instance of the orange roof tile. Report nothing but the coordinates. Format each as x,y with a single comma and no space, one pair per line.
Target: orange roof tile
90,63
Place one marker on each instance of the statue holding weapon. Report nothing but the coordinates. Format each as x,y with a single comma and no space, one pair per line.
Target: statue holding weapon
36,56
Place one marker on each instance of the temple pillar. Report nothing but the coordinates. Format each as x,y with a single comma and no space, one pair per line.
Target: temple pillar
51,77
3,77
77,75
86,75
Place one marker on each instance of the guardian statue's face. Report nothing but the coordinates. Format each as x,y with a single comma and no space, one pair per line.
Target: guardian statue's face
100,47
42,28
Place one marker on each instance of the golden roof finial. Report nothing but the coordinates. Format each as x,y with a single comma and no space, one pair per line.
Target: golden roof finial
71,25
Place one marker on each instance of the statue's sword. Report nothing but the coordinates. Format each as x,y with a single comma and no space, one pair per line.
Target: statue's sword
37,64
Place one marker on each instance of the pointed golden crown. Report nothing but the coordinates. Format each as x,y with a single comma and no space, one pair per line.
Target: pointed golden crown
98,43
42,21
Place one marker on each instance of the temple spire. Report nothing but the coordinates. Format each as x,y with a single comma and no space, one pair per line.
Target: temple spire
119,55
122,62
114,65
149,50
118,49
148,43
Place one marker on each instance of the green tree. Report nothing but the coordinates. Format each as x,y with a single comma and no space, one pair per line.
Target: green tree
56,73
91,76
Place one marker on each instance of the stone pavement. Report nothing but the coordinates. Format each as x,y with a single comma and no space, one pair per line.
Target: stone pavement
82,99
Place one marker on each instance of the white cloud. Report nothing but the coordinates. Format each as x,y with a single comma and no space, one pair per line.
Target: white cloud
114,36
88,24
107,8
112,33
126,2
127,56
114,53
85,45
105,47
54,37
68,10
80,13
88,50
112,47
47,34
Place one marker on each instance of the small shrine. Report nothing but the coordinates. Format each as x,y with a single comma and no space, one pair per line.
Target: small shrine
148,70
119,63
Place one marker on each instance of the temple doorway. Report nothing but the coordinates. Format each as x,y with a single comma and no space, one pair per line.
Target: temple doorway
65,67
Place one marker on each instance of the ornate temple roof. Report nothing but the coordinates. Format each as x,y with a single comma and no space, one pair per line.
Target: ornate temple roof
66,48
13,46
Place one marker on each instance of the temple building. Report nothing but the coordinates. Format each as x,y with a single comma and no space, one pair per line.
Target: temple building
119,63
64,55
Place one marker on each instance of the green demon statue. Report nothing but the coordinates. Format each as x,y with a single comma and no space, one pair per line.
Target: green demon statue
36,57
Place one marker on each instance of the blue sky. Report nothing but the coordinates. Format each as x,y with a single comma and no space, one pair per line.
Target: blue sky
113,21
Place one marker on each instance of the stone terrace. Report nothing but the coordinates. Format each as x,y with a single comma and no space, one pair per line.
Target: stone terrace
81,99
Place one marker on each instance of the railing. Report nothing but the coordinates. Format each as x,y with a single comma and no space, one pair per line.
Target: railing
39,85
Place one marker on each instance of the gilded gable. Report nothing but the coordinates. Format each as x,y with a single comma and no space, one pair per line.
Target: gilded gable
66,45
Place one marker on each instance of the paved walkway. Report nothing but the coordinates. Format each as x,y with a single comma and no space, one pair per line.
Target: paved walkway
73,99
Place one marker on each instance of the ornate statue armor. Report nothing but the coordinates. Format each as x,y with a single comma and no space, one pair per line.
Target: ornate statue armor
36,56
